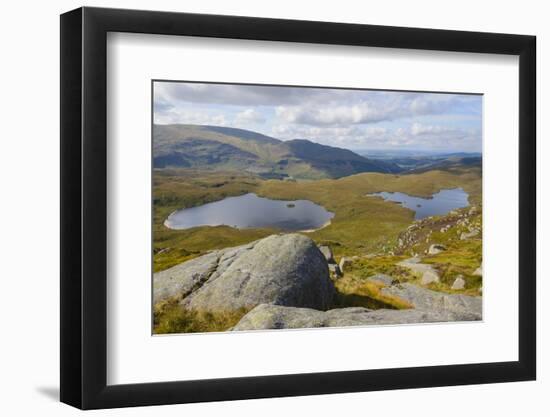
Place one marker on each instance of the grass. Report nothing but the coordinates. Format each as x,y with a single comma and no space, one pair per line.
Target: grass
354,288
367,267
459,259
171,318
358,292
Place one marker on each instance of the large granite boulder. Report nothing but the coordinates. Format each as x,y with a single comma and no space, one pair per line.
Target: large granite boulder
286,270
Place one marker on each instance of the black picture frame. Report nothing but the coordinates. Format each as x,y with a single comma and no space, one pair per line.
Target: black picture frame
84,207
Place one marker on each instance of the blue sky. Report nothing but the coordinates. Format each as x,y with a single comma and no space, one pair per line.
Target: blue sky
351,119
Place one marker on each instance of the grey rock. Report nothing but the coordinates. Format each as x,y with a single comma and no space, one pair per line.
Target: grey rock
469,235
327,253
429,277
344,264
335,270
427,272
436,248
479,271
413,260
267,316
280,269
425,299
180,280
459,283
381,278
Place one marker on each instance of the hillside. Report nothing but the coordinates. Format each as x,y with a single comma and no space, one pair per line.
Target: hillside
222,148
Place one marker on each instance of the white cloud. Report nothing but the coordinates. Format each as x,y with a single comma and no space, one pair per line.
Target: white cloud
183,116
249,116
316,115
374,107
371,137
418,129
235,94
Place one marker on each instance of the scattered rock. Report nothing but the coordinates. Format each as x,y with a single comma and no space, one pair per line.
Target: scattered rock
428,273
413,260
335,270
429,277
468,235
382,278
280,269
479,271
344,263
327,253
459,283
436,248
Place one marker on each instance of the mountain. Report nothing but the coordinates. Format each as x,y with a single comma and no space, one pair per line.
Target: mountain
217,147
337,162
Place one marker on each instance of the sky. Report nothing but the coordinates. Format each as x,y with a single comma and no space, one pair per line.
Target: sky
351,119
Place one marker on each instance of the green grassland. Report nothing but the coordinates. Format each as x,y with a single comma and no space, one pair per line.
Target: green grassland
361,224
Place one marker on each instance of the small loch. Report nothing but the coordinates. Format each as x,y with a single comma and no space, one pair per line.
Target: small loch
440,203
250,211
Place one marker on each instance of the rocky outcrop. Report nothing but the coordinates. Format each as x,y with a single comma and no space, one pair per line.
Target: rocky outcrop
285,270
428,300
267,316
436,248
428,307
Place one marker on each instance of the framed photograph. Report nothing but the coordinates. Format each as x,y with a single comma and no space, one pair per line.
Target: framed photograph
258,207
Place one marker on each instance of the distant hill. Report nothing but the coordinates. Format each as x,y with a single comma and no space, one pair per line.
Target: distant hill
415,161
216,147
454,163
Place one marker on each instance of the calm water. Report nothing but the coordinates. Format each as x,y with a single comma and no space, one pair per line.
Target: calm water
249,211
440,203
